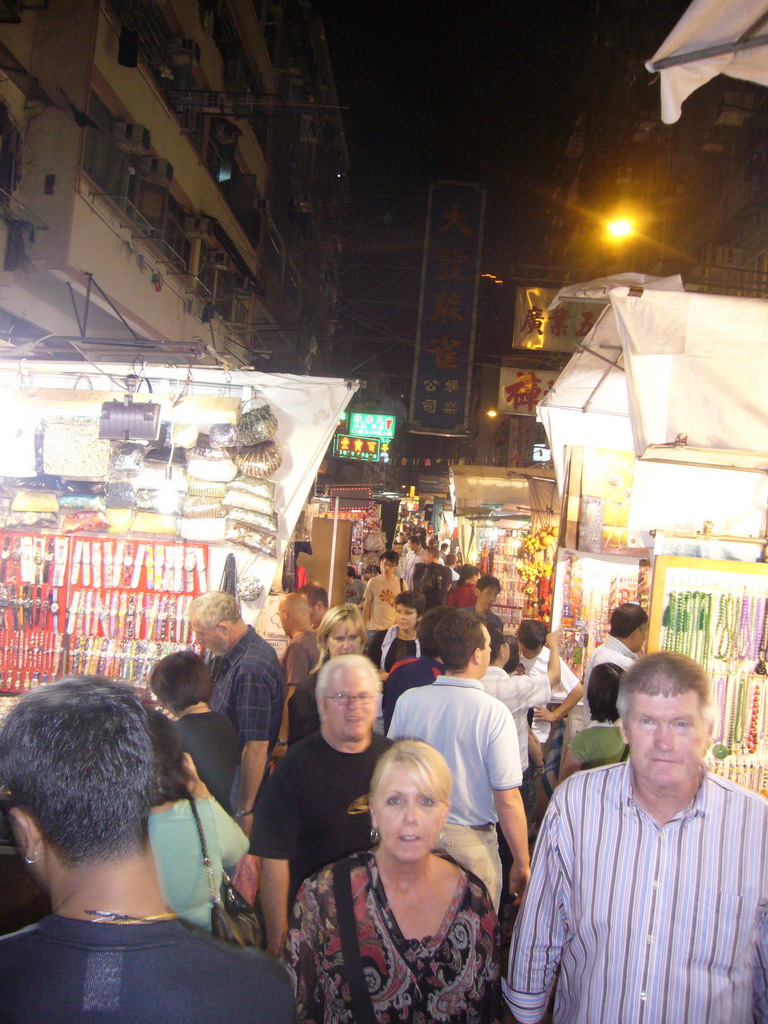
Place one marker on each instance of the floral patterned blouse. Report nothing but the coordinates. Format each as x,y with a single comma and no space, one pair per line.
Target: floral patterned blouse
449,978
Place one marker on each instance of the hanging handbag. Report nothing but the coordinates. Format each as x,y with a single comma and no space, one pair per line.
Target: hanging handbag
350,944
231,917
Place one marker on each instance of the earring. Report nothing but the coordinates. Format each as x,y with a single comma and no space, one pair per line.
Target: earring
441,837
374,835
33,861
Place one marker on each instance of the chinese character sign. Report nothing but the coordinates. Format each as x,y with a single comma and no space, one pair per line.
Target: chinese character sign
520,389
363,449
561,329
447,309
372,424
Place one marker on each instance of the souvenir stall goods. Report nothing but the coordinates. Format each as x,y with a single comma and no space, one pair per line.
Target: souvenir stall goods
587,589
183,491
75,605
499,554
716,612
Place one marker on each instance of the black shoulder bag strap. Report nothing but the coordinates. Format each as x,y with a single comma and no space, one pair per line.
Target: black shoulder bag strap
350,946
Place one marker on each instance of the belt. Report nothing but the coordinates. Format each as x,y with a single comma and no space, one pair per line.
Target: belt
483,828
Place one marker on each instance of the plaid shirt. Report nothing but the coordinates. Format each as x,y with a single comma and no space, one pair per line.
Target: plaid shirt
250,690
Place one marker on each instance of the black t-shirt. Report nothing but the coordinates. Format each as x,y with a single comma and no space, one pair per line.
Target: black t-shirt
73,972
309,811
211,741
398,650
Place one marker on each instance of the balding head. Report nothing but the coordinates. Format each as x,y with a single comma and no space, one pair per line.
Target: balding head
294,614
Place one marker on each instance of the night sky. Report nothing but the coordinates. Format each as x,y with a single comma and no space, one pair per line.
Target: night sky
473,91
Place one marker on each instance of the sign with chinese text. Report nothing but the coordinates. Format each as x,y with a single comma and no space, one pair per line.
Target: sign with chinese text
445,338
520,390
372,424
561,329
363,449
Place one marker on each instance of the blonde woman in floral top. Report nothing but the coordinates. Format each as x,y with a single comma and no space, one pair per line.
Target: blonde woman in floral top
425,928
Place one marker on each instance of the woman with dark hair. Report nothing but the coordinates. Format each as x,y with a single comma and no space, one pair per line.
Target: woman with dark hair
183,684
602,742
400,641
173,831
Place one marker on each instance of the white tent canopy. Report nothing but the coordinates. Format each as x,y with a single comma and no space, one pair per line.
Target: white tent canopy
307,411
591,405
697,368
713,37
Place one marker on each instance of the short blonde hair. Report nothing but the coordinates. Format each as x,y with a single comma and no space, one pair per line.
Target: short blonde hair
344,663
213,608
426,768
332,618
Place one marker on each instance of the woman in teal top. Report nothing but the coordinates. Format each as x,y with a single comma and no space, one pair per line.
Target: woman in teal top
173,833
602,743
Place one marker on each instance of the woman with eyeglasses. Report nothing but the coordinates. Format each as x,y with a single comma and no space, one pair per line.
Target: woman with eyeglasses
399,932
341,631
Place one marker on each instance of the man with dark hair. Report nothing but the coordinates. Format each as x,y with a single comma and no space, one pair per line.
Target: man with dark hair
535,656
476,735
463,594
649,888
432,579
627,635
76,757
317,599
410,672
249,691
412,559
486,591
380,594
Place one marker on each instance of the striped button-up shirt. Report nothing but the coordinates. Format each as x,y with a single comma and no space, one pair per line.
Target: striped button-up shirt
650,924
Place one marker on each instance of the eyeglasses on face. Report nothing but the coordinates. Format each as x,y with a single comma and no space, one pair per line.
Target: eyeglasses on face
347,699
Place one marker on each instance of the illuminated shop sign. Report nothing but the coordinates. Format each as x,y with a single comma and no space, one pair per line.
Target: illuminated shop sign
372,424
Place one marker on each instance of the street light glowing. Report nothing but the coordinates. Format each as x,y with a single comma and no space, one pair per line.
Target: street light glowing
492,414
620,228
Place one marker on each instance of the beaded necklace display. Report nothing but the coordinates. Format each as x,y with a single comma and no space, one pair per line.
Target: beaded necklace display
725,629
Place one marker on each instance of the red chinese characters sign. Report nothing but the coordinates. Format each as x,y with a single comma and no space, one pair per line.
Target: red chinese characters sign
520,390
561,329
447,309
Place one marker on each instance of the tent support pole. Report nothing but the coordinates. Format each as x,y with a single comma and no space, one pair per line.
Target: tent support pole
710,51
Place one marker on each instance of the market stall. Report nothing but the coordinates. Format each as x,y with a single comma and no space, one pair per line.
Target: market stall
667,458
507,526
106,539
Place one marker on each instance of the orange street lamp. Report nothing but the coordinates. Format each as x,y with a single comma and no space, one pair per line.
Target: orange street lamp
620,228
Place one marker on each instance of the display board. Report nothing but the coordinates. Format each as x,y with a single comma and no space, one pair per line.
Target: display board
716,612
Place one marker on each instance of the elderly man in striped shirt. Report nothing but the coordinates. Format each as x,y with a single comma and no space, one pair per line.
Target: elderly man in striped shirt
649,885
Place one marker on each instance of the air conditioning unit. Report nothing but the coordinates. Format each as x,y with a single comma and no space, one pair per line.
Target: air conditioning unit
184,52
261,205
219,259
131,138
155,168
198,227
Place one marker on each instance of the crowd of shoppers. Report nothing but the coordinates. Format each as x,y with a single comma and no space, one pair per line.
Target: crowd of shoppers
384,860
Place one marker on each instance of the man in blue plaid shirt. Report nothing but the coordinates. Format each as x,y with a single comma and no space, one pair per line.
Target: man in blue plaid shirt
249,691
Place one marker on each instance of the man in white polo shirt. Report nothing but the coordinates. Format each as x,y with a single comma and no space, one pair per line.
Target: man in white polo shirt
476,735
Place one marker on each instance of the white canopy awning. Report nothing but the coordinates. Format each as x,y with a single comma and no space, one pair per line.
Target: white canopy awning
697,364
517,489
713,37
697,376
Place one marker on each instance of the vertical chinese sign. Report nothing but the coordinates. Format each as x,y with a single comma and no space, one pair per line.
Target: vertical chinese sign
445,340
